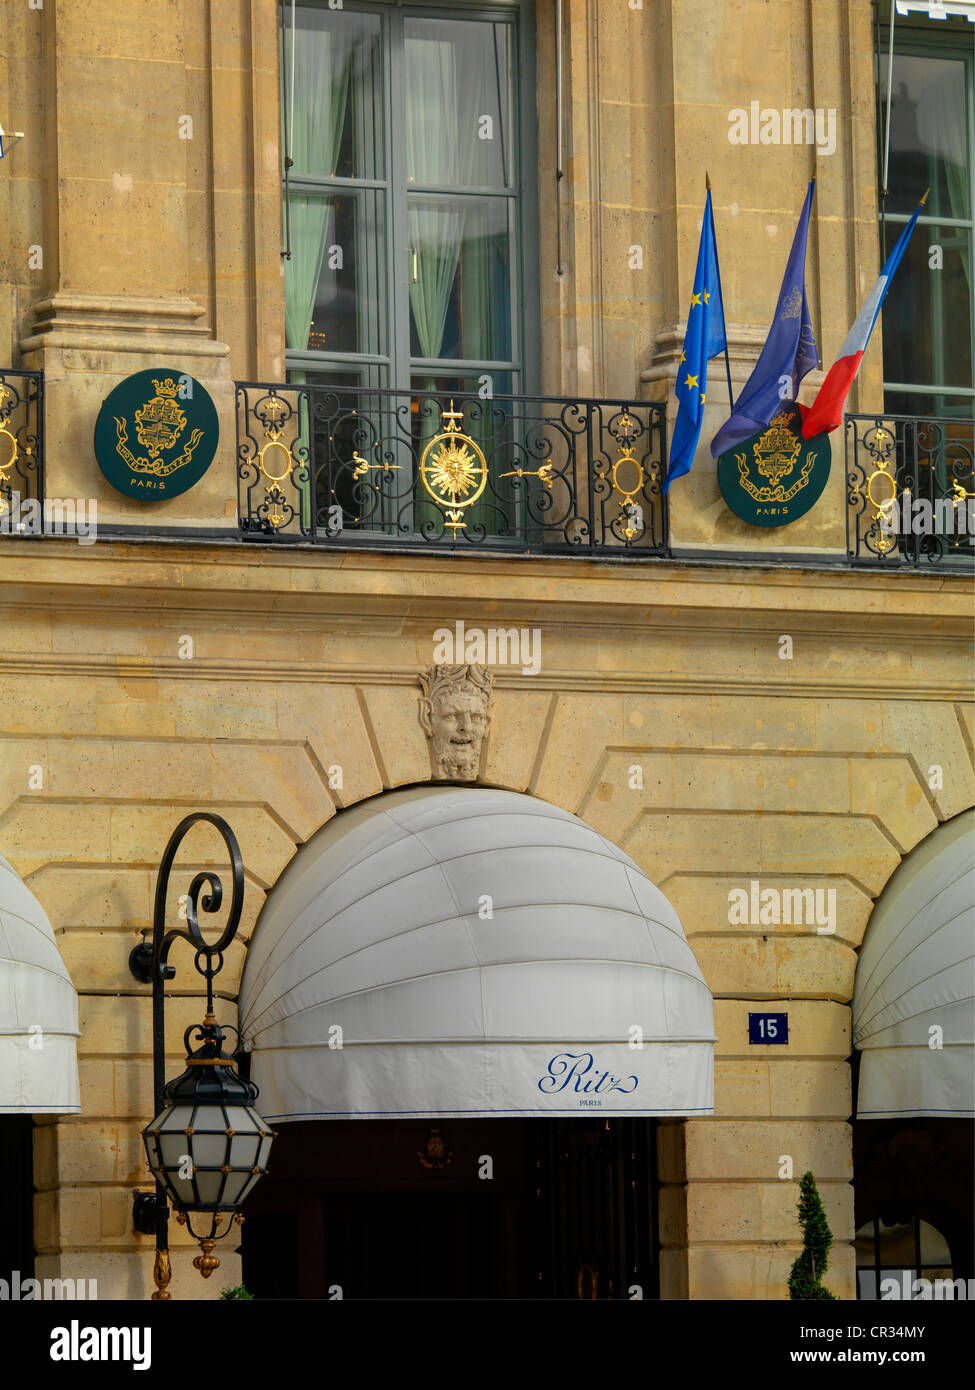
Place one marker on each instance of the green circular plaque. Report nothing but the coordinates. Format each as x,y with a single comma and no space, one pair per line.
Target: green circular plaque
156,434
775,476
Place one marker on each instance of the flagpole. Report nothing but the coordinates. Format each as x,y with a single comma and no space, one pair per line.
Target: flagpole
724,322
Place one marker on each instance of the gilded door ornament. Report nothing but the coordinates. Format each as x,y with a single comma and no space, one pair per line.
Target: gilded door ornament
587,1280
435,1152
453,470
454,715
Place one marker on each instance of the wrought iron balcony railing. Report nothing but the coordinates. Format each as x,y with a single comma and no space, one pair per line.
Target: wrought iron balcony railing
21,450
910,490
351,465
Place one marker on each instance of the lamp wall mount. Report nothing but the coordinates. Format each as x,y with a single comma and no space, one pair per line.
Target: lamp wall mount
148,963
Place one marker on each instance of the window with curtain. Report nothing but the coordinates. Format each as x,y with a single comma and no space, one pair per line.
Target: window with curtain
408,210
404,200
928,316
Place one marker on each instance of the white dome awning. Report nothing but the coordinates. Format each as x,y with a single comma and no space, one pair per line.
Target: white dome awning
477,953
38,1009
914,1000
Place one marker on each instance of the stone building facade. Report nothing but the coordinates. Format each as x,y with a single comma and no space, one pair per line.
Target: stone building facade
170,667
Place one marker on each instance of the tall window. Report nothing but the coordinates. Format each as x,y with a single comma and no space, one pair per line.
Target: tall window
928,317
407,207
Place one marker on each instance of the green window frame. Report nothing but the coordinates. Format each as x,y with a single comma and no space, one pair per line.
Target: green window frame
385,212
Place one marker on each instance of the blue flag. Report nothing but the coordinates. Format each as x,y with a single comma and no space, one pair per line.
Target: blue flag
789,353
705,337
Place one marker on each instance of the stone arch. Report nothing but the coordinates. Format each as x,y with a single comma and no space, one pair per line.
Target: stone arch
526,999
914,1039
468,839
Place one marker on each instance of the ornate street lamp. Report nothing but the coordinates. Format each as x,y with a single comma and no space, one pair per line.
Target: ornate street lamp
207,1146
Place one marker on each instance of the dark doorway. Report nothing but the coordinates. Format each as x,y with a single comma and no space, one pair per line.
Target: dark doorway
531,1208
914,1182
16,1196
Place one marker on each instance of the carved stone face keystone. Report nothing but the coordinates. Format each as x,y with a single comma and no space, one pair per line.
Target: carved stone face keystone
454,715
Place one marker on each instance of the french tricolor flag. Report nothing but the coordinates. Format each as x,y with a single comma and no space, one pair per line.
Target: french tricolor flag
826,411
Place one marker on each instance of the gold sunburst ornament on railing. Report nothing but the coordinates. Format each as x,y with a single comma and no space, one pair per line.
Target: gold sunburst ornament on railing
453,469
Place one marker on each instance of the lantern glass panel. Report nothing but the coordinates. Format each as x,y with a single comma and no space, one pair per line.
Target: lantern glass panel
243,1120
209,1148
243,1151
173,1149
208,1185
181,1189
175,1117
245,1191
233,1192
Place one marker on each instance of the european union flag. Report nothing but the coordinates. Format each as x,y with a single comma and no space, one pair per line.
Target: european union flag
705,337
789,353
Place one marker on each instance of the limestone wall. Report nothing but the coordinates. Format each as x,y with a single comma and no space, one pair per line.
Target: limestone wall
809,771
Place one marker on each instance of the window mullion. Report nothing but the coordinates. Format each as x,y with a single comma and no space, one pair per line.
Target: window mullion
399,326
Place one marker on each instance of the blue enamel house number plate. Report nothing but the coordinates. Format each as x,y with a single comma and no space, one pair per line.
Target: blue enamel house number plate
768,1028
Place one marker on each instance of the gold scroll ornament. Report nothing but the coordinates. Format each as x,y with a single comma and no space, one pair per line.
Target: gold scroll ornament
275,410
7,401
880,446
626,429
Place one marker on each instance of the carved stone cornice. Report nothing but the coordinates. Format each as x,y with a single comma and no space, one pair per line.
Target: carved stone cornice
863,606
150,324
745,343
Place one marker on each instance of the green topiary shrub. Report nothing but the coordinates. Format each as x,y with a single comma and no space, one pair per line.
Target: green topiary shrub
812,1263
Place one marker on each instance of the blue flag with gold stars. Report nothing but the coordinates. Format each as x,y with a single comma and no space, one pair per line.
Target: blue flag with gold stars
705,337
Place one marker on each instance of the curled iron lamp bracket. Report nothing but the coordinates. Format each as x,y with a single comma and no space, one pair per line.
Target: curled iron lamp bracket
148,963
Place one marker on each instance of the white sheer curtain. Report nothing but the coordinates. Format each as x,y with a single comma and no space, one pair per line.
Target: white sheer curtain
444,98
322,70
942,122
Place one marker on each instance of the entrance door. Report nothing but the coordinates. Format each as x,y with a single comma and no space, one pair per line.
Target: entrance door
459,1209
16,1197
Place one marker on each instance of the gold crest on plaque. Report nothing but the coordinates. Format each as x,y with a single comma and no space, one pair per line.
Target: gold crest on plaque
775,456
159,424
